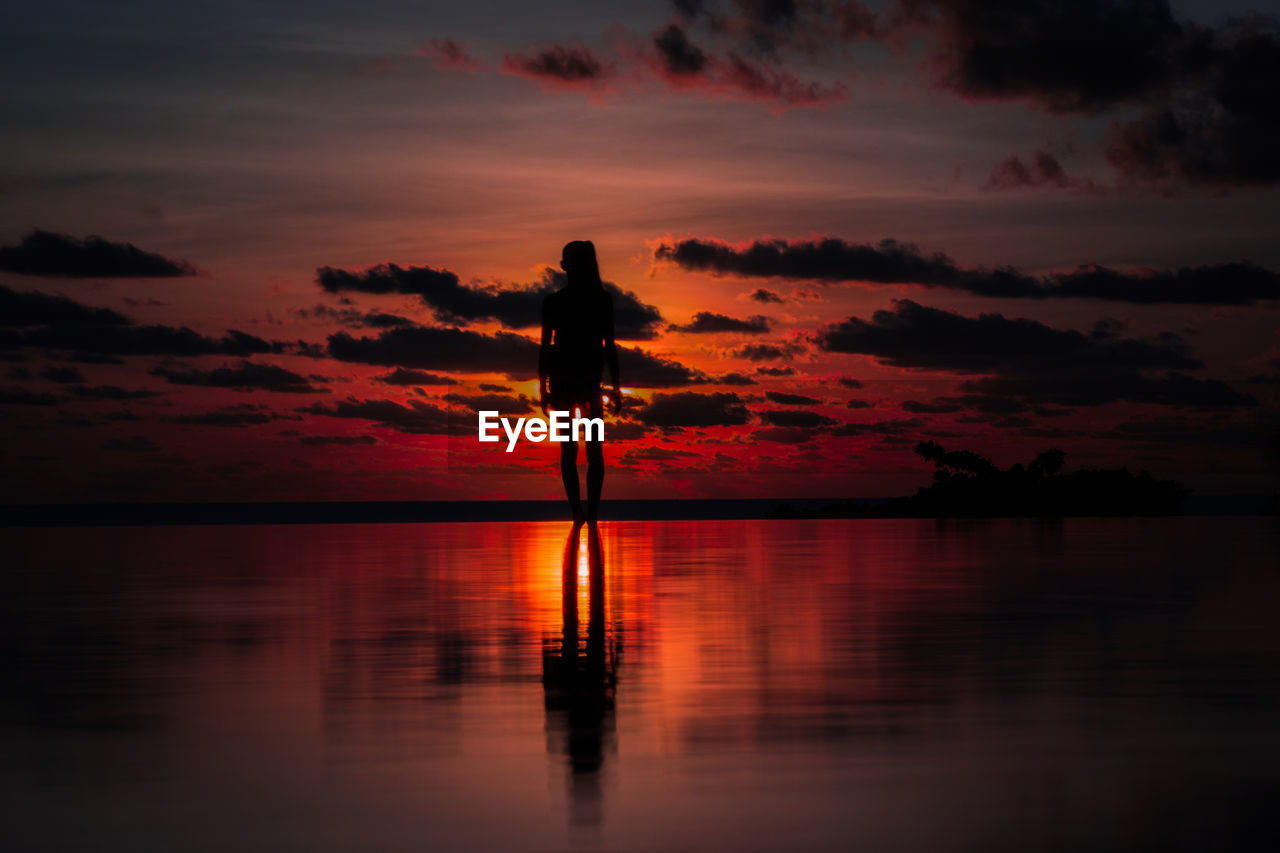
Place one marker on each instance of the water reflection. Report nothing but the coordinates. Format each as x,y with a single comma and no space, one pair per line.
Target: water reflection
884,684
579,676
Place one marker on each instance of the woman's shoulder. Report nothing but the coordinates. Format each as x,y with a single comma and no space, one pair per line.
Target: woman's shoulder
553,300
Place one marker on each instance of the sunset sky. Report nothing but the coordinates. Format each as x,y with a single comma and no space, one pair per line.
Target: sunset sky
284,251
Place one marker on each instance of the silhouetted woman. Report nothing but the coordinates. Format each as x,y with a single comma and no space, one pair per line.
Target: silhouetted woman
577,341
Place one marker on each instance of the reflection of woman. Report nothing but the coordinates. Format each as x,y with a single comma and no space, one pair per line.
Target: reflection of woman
577,341
580,681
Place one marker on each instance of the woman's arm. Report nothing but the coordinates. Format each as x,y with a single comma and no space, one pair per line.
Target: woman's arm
544,355
611,352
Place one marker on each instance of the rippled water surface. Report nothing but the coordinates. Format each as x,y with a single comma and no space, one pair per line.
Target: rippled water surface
728,685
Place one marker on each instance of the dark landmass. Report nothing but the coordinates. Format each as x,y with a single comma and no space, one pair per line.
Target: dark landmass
967,484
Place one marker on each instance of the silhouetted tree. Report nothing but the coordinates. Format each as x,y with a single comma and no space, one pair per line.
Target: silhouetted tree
1048,462
968,484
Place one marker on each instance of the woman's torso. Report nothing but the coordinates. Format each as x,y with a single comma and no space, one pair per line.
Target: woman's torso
578,325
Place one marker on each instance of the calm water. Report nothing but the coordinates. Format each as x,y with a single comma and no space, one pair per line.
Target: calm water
741,685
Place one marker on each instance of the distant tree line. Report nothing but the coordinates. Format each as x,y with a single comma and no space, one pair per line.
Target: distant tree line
969,484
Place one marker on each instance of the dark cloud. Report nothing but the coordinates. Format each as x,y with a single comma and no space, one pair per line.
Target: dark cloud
90,343
707,322
354,317
785,435
414,417
791,399
387,278
93,358
918,337
562,65
986,405
640,369
691,409
890,262
496,389
858,404
653,454
691,8
850,382
799,418
1184,432
829,259
449,55
133,444
302,348
20,308
1078,56
431,348
23,397
764,82
403,376
773,27
1042,169
224,418
766,296
465,351
1031,361
679,57
345,440
918,408
1239,283
111,392
731,73
775,371
244,376
1208,92
737,68
1170,389
744,63
894,427
513,307
733,379
1223,130
797,426
63,375
507,404
769,352
45,253
627,431
633,320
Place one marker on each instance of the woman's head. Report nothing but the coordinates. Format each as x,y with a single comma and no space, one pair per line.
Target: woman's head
578,260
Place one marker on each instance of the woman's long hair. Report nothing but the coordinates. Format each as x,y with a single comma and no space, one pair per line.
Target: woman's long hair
580,265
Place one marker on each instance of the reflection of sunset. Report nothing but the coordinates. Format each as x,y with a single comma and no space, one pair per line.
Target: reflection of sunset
421,678
539,556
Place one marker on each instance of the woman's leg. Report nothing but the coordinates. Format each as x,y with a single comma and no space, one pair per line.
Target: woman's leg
595,459
569,473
